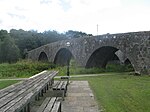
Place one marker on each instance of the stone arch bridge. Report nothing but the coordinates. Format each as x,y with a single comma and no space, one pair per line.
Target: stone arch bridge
98,50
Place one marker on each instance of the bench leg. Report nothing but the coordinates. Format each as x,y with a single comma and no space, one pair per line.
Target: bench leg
25,109
37,97
44,90
59,108
63,94
41,93
28,107
52,82
47,87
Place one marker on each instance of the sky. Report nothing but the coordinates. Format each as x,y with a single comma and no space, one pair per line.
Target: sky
89,16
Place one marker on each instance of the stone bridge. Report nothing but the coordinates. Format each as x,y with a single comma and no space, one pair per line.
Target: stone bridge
96,51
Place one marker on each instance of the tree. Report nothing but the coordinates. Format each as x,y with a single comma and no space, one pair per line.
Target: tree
75,34
10,52
32,39
3,34
0,51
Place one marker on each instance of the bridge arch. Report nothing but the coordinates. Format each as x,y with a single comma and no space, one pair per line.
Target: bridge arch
101,56
63,57
43,57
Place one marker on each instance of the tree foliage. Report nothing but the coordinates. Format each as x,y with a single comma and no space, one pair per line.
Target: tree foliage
76,34
9,52
14,44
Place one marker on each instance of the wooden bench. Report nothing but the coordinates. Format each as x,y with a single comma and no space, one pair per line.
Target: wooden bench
65,78
50,104
17,97
60,89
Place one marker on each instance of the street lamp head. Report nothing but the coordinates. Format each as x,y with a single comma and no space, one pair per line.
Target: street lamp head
68,44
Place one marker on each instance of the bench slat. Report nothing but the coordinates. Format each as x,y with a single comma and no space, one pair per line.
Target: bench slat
44,104
60,85
50,104
64,86
56,84
57,107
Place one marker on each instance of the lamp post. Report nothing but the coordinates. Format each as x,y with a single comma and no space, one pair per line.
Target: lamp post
68,72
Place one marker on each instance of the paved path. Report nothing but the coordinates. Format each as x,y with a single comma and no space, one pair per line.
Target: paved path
85,75
79,98
72,76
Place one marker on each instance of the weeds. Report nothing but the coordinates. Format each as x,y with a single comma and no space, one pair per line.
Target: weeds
24,68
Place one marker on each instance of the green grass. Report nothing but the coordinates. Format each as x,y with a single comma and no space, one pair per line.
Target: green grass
76,70
27,68
22,69
121,93
6,83
81,70
115,93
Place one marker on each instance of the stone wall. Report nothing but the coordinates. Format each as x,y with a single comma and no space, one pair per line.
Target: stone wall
89,50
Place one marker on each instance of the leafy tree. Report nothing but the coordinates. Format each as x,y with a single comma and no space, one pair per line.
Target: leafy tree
0,50
32,39
10,52
3,34
24,40
76,34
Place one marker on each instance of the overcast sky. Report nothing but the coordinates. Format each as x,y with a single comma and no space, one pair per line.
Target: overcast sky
112,16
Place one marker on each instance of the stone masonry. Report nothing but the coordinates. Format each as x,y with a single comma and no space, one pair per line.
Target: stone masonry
97,50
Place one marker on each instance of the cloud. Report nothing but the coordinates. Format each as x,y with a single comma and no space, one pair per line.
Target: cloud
1,21
16,16
112,16
45,1
20,8
65,4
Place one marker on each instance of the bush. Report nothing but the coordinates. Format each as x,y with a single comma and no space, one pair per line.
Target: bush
74,69
24,68
119,68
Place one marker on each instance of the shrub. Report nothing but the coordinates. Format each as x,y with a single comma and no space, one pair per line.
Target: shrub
23,68
119,68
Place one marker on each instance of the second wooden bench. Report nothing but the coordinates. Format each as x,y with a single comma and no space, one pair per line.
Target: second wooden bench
60,89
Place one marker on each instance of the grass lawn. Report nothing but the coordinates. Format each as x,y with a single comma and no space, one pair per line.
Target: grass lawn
115,93
6,83
121,93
